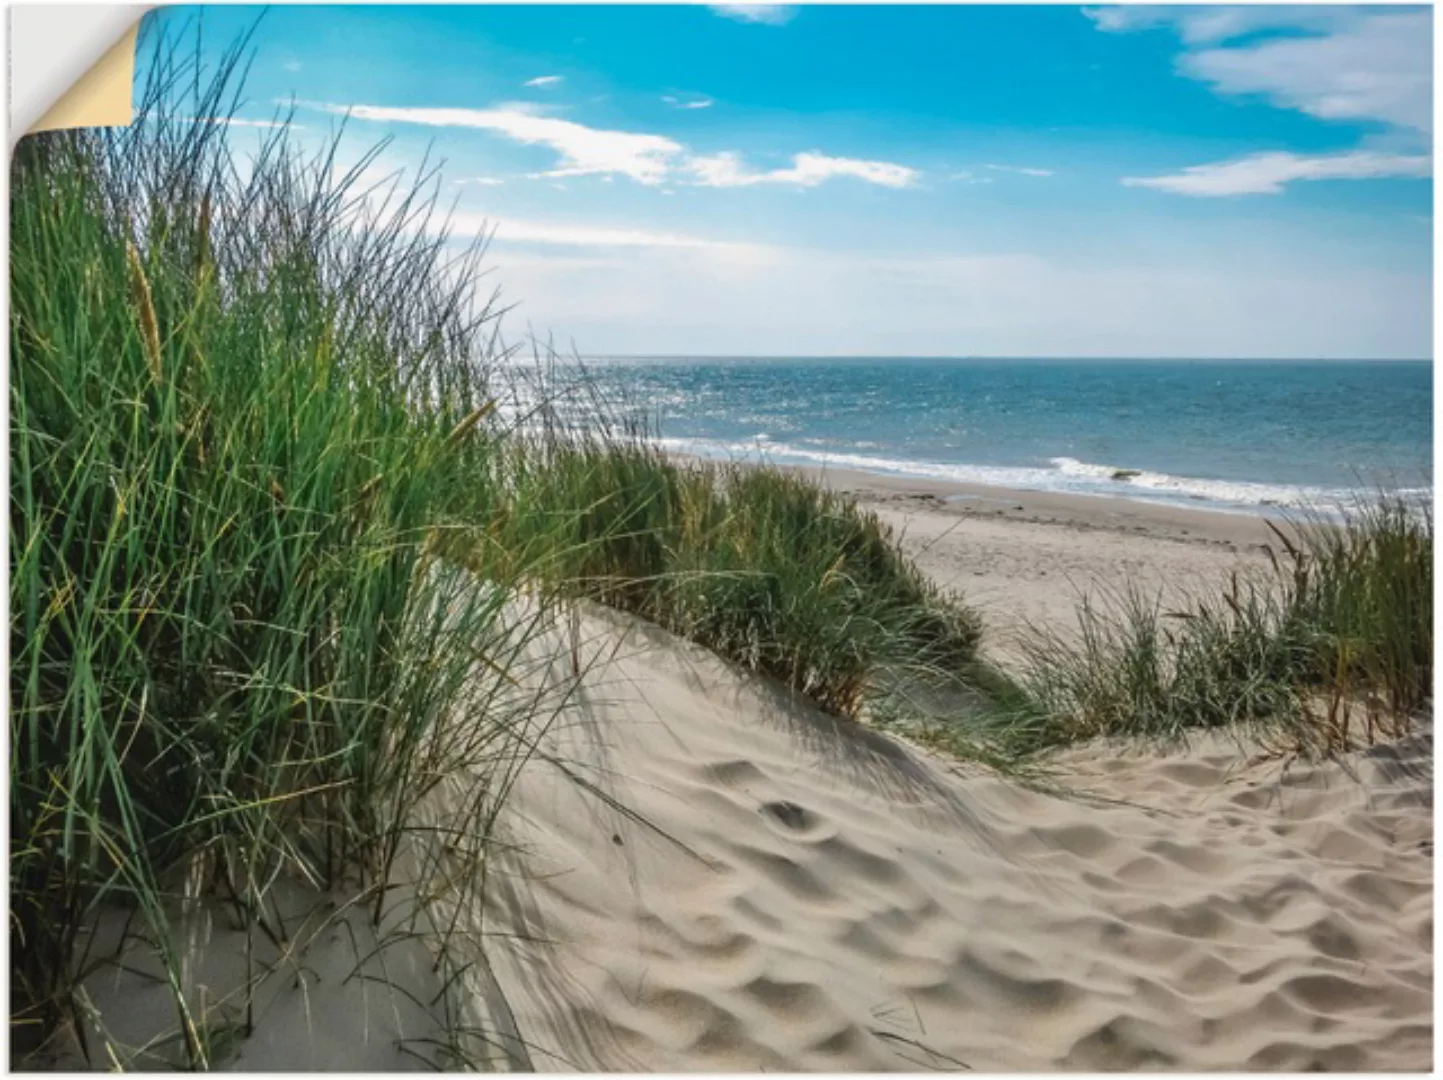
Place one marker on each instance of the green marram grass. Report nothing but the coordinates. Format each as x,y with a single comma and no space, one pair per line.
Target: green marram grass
244,402
763,566
1330,649
255,437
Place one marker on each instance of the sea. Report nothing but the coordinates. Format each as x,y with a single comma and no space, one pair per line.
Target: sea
1239,435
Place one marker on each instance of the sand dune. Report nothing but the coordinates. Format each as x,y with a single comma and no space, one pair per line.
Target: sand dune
341,994
788,891
701,872
698,871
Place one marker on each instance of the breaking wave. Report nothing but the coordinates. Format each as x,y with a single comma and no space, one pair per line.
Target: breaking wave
1061,474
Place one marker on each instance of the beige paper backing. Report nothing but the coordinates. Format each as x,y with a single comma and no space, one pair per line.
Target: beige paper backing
102,96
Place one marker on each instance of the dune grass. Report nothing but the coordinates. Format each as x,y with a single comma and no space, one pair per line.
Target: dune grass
244,404
763,566
1331,649
254,435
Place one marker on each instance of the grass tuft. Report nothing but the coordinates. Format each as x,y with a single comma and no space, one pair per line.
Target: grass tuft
1333,648
237,384
255,433
764,567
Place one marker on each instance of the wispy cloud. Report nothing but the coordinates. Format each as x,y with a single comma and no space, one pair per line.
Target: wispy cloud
236,121
1022,170
1200,25
566,234
1374,67
531,108
807,170
1268,174
647,159
481,181
584,151
1332,62
767,14
688,103
544,80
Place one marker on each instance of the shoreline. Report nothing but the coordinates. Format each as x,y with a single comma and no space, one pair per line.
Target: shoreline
1074,481
958,498
1026,560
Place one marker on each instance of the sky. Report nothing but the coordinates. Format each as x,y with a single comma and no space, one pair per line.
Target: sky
1185,181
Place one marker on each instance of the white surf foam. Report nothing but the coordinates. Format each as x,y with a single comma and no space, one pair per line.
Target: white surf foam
1235,492
1063,474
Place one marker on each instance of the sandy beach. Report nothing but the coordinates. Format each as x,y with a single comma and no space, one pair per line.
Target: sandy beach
787,891
770,888
1026,557
700,871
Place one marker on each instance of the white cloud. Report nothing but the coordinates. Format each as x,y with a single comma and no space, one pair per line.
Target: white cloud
768,14
235,121
1375,67
584,151
647,159
1021,169
1202,25
530,108
688,103
481,181
292,65
1336,63
807,170
565,234
544,80
1117,20
1267,174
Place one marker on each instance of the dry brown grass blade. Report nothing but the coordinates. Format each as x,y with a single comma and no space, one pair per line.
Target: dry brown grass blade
461,430
145,310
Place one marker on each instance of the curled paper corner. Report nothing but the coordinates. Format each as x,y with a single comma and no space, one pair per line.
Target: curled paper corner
102,96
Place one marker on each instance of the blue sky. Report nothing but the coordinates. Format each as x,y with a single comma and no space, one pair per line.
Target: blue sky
943,180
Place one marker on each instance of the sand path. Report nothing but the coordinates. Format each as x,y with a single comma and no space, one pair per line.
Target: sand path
1025,557
700,871
790,892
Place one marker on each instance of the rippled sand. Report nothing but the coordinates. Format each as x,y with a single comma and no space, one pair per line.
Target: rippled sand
786,891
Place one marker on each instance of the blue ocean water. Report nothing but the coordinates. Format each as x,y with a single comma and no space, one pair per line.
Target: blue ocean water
1237,434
